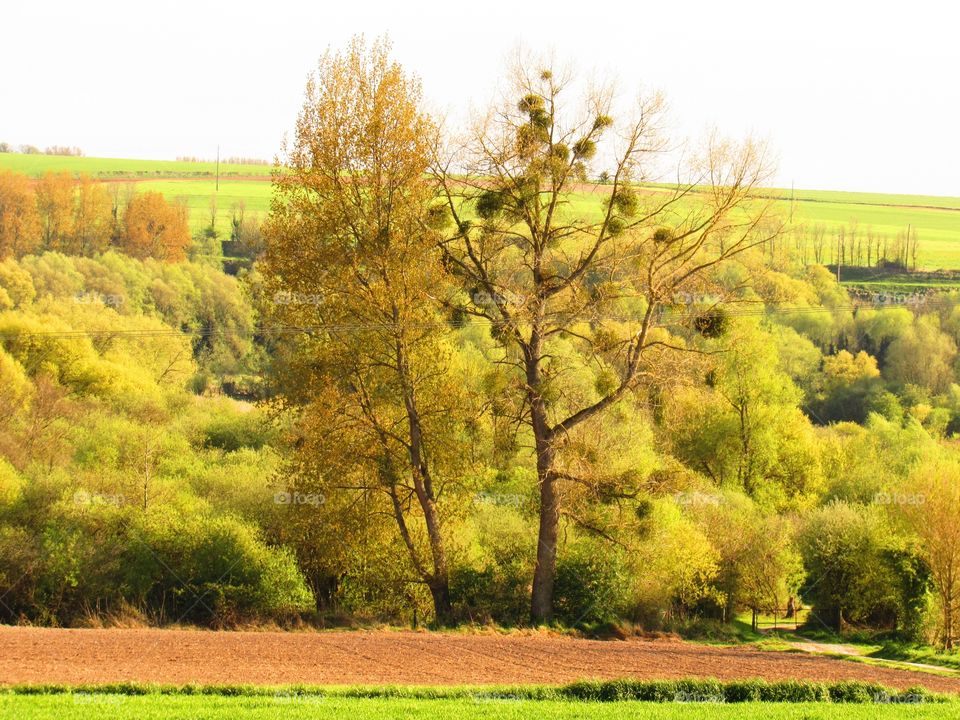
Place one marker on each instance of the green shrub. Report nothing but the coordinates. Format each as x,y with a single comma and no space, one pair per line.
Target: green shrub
230,431
213,570
590,585
856,692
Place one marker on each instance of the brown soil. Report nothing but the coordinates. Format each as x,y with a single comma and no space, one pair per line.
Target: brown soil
35,655
123,179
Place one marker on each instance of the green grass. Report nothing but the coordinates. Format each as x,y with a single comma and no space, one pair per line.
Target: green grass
922,654
121,707
197,194
857,198
664,700
738,691
938,230
116,168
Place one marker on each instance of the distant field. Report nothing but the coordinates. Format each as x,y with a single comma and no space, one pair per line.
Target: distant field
111,168
935,219
197,194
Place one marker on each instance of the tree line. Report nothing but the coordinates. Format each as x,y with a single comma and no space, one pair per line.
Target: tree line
80,216
64,150
851,245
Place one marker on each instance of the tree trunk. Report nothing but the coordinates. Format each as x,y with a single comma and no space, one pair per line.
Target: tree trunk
541,600
442,609
439,579
541,606
947,621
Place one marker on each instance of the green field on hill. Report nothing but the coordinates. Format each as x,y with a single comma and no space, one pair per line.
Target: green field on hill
111,168
936,220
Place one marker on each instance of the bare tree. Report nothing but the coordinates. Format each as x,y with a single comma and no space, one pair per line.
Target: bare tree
547,258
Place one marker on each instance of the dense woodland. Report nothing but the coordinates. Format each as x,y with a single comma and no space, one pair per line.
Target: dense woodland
461,383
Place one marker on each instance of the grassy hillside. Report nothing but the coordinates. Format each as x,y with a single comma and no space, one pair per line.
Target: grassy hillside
122,167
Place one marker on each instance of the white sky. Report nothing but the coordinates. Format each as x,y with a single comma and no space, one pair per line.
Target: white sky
852,95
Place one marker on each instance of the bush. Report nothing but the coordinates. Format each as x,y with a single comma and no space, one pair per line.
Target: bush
214,571
492,585
232,431
860,571
590,586
490,594
855,692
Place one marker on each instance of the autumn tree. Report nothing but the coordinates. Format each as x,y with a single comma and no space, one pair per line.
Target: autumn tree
92,218
772,570
746,428
545,257
933,512
153,227
760,568
352,262
55,201
19,220
922,355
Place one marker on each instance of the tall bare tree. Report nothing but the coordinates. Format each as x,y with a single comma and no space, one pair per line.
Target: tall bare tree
547,257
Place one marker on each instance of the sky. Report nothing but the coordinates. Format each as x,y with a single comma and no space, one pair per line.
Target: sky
850,95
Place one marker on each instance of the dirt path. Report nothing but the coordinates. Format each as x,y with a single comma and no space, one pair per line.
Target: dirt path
831,648
854,651
208,177
34,655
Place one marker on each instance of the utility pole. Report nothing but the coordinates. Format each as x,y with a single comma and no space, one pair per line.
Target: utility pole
906,258
218,168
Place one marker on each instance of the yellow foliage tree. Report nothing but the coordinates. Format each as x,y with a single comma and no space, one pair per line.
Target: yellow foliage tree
933,512
92,218
155,228
55,193
19,220
350,247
